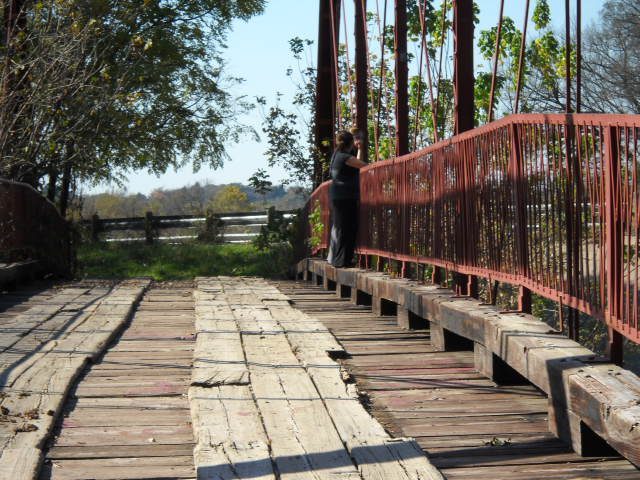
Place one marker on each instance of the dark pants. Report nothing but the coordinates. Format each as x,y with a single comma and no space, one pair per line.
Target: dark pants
344,229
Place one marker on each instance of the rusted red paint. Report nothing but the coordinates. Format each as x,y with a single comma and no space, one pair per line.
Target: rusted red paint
547,202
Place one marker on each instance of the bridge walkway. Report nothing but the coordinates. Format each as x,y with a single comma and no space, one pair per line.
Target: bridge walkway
128,416
234,378
469,427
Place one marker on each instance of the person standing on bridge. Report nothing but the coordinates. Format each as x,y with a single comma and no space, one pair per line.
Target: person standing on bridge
344,195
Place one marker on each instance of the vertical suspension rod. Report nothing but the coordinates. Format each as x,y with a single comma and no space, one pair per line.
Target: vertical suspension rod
463,65
335,32
523,45
326,92
424,49
496,59
382,85
464,120
402,78
362,101
443,21
567,54
578,56
352,104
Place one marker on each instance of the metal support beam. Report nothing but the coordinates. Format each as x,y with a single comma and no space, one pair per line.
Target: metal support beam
518,192
613,261
464,114
362,100
402,78
463,65
567,55
326,88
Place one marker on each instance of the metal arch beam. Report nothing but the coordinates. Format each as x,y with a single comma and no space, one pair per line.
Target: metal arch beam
464,116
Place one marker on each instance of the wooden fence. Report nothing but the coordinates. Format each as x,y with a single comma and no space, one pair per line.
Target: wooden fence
232,227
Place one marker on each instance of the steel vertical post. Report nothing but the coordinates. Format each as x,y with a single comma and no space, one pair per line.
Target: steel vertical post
402,78
464,104
578,56
572,234
518,192
402,109
463,65
613,247
362,100
326,88
567,55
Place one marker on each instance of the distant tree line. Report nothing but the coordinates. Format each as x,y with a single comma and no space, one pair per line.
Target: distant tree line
91,89
196,199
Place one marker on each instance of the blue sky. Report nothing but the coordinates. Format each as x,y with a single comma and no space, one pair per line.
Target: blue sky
258,51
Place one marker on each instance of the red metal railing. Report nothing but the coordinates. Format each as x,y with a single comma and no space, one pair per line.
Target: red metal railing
319,218
31,228
546,202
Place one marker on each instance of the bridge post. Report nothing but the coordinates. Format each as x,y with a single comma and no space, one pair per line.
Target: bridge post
362,102
463,65
519,200
326,88
612,265
95,227
148,228
464,112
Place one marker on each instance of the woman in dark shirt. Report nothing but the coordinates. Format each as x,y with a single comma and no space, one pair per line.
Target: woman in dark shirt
344,194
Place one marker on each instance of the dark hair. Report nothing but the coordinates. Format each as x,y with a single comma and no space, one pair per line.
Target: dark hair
344,141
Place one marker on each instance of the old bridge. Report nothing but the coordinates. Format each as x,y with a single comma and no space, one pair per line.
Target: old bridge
401,368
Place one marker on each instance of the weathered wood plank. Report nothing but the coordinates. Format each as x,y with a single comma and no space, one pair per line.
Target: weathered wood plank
458,424
36,392
230,439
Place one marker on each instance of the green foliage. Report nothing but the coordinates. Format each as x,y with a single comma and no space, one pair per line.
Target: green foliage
317,226
290,134
260,182
111,87
213,227
541,14
277,233
162,261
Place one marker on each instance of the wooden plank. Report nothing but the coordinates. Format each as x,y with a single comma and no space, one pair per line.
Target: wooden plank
375,453
119,451
219,360
121,468
146,436
304,442
230,440
474,431
35,394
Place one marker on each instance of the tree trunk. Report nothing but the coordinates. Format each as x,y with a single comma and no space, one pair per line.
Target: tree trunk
53,179
66,179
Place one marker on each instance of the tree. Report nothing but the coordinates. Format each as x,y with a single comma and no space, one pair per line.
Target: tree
260,183
290,134
107,87
230,199
611,79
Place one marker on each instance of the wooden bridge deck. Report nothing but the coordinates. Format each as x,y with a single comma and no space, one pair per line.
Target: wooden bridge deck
469,427
128,416
224,379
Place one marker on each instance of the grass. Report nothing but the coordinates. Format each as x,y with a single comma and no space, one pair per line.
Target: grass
162,261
